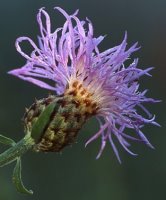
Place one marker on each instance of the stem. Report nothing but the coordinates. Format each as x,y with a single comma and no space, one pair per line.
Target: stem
17,150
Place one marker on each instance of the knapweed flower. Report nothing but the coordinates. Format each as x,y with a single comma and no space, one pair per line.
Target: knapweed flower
97,83
86,83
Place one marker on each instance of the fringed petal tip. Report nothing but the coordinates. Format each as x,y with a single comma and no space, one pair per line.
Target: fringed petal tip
14,72
65,13
107,131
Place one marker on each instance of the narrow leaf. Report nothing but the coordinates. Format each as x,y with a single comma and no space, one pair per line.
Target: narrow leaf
17,180
43,120
6,140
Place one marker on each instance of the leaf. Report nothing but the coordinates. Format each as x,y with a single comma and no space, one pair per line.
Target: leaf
6,140
43,120
17,180
16,150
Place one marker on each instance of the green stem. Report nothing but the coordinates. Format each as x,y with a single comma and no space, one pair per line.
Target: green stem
17,150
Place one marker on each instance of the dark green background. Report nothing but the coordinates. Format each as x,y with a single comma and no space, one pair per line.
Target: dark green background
75,174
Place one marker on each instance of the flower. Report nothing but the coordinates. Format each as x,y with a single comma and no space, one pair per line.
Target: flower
70,58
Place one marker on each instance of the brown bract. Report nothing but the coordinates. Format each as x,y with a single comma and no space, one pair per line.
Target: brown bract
73,109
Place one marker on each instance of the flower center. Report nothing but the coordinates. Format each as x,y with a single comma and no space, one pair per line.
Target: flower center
82,97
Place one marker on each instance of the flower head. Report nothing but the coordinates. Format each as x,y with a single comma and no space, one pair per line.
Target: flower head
70,58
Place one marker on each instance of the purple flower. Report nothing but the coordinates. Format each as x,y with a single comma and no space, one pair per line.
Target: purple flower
70,55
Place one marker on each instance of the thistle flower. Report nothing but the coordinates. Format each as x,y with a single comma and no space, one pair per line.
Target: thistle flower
86,83
99,81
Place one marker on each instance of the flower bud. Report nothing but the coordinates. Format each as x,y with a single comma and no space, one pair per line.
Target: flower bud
63,124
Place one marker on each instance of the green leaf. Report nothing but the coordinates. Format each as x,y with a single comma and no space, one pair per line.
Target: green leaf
17,179
43,120
6,140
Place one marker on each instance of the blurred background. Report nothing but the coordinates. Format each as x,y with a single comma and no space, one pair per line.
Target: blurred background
75,174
